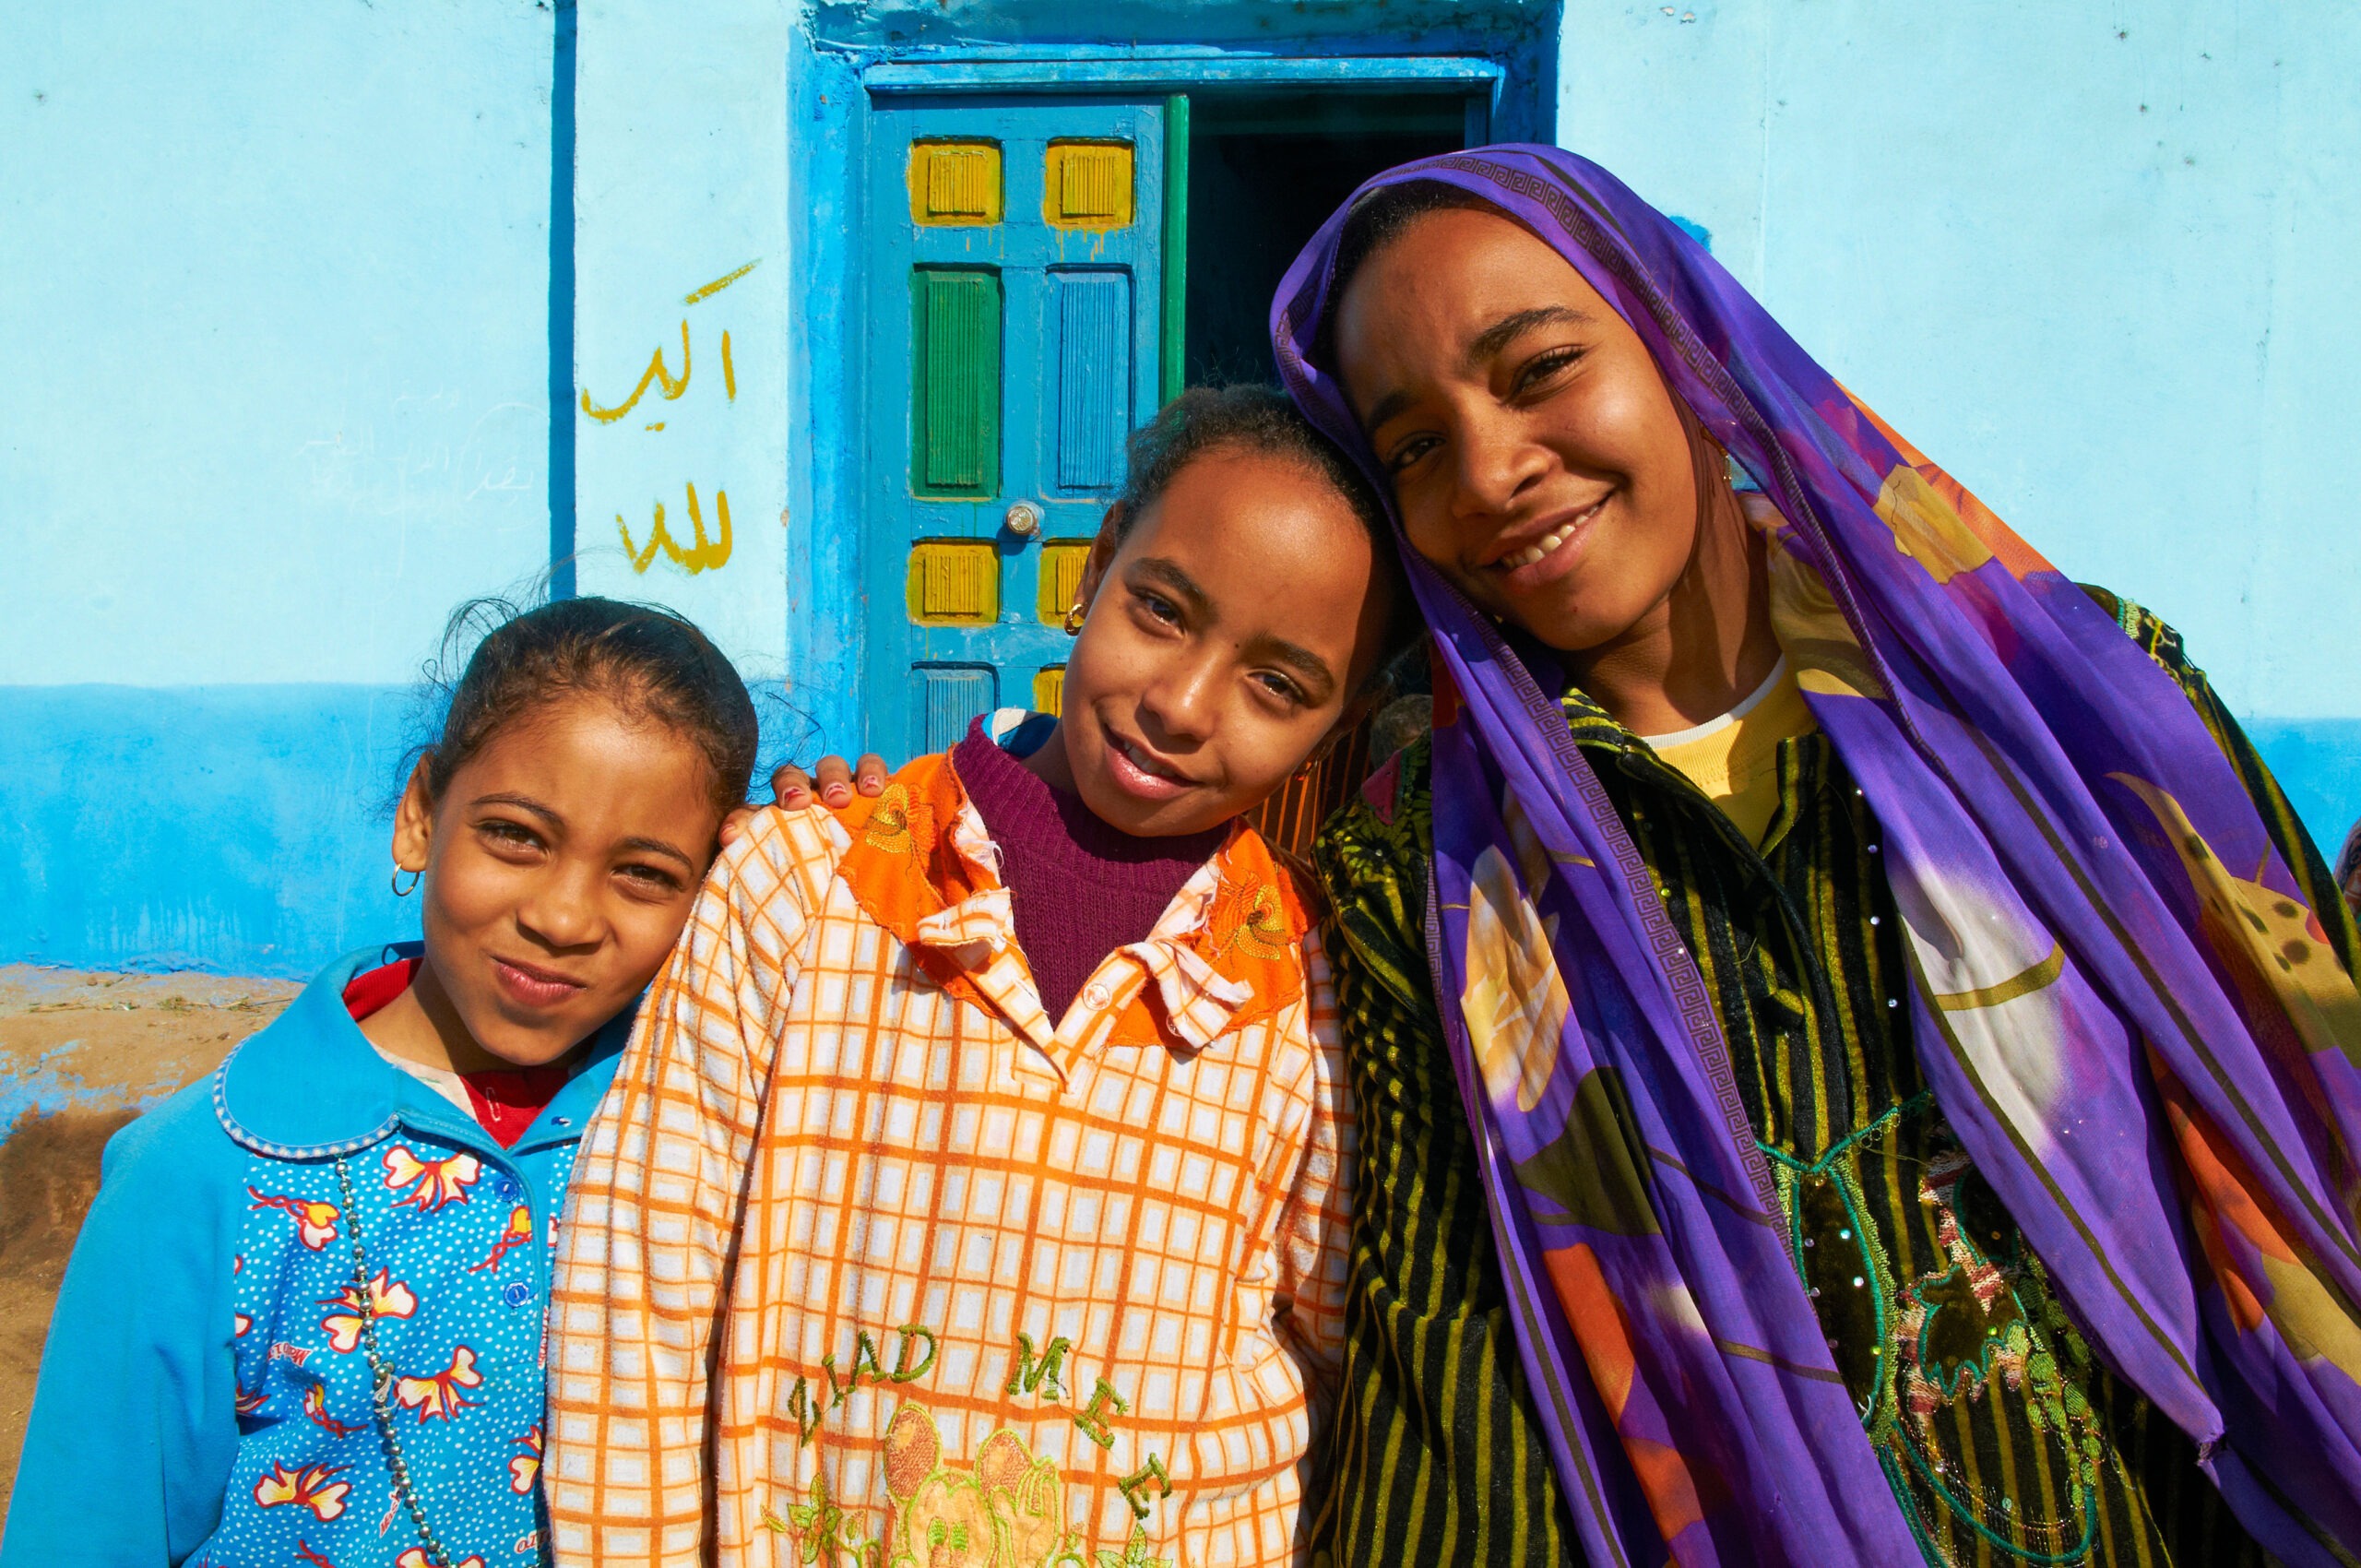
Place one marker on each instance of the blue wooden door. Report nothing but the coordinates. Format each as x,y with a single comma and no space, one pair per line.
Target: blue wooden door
1013,293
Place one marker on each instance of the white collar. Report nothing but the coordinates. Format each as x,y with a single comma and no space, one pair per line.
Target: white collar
1754,700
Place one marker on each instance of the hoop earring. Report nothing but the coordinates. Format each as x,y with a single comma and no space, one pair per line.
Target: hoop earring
1074,616
395,882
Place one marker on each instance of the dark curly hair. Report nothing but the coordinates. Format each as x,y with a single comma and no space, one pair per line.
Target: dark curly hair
652,662
1262,420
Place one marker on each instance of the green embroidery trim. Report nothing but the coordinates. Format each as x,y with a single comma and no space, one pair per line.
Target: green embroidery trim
903,1372
2083,1499
1834,1167
1882,1415
1005,1507
1131,1486
1901,1489
2051,1408
1843,1145
1093,1421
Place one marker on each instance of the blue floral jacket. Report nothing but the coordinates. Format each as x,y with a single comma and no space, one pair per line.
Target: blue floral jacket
205,1393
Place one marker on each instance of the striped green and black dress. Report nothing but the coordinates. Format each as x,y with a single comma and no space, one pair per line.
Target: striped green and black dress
2005,1442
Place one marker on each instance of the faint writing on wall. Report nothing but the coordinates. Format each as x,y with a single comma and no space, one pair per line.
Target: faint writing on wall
703,552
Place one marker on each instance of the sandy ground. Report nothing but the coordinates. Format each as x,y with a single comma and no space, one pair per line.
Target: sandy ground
79,1056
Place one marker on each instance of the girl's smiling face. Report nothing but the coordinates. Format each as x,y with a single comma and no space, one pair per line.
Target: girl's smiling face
1230,632
1537,457
560,866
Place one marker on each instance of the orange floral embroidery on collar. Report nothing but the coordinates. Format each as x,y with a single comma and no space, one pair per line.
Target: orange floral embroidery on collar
1251,935
904,867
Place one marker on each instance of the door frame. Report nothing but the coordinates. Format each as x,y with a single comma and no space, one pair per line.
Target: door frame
1508,79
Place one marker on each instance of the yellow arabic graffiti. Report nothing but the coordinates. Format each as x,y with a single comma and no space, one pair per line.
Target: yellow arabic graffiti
657,374
654,372
702,555
705,553
721,283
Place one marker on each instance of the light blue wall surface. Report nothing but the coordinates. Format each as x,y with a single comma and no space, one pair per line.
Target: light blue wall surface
273,284
284,338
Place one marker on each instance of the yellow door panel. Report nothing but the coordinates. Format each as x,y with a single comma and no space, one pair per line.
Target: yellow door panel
954,183
1061,564
954,582
1087,185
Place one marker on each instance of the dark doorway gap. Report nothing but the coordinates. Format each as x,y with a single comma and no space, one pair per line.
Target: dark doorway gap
1265,171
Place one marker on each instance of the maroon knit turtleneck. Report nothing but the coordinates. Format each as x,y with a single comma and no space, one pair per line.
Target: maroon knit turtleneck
1077,888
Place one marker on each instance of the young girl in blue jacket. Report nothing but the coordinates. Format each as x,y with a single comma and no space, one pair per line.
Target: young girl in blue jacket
304,1321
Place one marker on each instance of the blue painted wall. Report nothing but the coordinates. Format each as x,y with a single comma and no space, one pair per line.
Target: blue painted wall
195,797
290,292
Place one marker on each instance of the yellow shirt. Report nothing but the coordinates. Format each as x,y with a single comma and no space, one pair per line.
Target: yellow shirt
1735,759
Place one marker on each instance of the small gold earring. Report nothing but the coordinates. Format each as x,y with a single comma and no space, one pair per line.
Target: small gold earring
1075,613
395,880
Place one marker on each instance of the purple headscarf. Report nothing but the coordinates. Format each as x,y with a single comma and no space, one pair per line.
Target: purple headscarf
2124,1007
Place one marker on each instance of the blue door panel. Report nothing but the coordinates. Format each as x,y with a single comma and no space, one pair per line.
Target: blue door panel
1076,372
943,697
1094,375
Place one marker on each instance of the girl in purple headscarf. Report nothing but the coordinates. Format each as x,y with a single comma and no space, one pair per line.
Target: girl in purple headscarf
1856,1058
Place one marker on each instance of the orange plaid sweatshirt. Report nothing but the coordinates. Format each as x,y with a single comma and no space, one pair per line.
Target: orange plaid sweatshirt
871,1263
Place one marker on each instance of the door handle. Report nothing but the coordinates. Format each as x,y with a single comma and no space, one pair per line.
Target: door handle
1024,519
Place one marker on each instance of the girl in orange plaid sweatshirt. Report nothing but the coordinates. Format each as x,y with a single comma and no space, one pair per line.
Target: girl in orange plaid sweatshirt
973,1194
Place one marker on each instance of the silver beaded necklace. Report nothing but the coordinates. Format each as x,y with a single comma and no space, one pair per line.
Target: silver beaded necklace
381,1382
